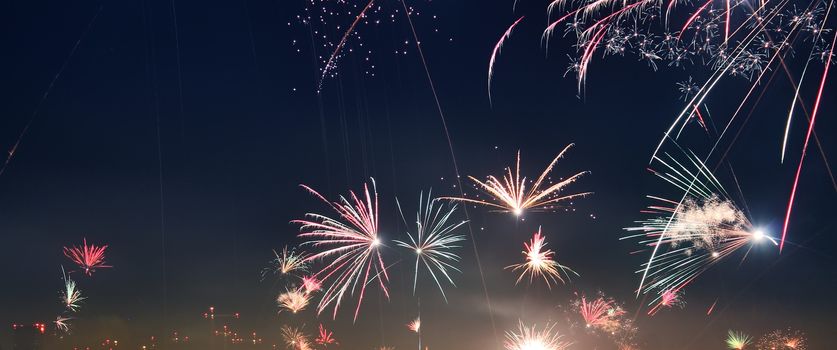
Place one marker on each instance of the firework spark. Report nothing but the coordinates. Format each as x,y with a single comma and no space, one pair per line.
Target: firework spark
295,338
310,284
434,240
286,263
511,194
351,243
788,339
600,313
70,296
87,257
690,236
540,262
326,337
737,340
530,338
294,300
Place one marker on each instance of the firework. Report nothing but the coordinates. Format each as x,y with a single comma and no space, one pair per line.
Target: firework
530,338
511,195
415,325
434,240
310,284
350,243
689,236
601,313
70,296
325,337
87,257
788,339
295,338
62,324
293,300
286,263
737,340
496,51
540,262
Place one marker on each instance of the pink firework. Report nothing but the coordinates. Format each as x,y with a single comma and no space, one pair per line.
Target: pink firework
325,337
669,298
600,313
310,284
496,51
415,325
350,243
540,262
87,257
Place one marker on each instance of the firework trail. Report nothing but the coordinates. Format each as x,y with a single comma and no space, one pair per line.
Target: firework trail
350,244
530,338
294,300
737,340
782,340
690,236
87,257
511,194
434,240
496,51
295,338
325,338
286,263
540,262
70,296
331,64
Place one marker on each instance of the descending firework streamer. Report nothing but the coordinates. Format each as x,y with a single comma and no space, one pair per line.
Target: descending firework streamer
326,338
511,194
70,295
689,236
540,262
530,338
350,243
496,51
337,28
87,257
788,339
434,240
737,340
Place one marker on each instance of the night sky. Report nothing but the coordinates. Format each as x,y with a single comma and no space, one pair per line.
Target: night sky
183,151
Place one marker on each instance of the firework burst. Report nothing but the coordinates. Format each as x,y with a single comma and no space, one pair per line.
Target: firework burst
737,340
62,324
434,240
415,325
295,338
87,257
71,295
788,339
289,261
325,337
351,245
689,236
530,338
540,262
294,300
512,196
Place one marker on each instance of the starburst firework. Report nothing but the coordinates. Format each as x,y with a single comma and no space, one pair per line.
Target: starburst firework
351,245
294,300
530,338
737,340
434,240
540,262
511,194
87,257
71,295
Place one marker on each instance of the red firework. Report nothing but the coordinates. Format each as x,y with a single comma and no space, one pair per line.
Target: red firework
326,337
87,257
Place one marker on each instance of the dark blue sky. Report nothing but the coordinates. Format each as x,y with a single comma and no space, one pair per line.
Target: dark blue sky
240,126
